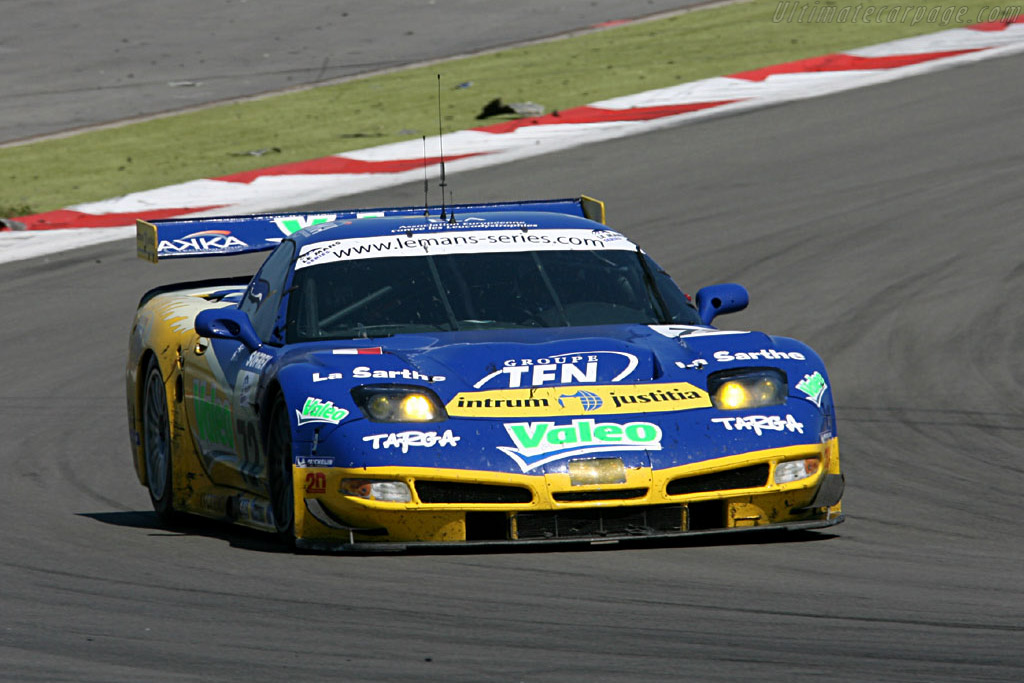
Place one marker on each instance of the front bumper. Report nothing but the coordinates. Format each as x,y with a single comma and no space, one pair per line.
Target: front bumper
473,508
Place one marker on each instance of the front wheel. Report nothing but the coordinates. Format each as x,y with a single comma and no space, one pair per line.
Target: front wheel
279,472
156,443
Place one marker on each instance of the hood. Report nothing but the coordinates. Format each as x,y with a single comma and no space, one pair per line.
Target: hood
512,359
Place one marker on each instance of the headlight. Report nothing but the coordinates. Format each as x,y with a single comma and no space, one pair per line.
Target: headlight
747,388
795,470
399,403
597,471
376,489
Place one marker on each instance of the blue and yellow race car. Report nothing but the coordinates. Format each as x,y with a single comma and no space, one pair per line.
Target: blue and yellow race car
507,373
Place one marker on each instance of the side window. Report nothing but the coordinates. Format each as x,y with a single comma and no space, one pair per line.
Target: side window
263,298
680,309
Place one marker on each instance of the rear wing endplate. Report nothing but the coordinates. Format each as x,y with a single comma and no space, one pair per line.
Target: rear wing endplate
229,235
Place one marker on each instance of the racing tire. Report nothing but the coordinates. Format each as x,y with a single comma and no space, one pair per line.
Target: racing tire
279,472
156,444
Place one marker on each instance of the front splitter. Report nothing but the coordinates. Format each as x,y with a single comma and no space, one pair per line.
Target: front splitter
313,545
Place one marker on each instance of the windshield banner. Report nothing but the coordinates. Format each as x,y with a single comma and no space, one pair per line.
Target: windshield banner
523,238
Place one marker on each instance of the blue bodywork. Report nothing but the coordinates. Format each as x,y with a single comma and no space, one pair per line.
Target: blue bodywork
461,362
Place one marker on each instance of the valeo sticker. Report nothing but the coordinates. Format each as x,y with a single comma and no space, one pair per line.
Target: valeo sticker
615,399
292,224
814,386
318,410
213,416
537,443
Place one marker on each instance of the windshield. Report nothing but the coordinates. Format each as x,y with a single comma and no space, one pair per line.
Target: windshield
379,297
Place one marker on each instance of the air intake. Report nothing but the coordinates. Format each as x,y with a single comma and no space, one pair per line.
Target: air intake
640,520
741,478
459,492
614,494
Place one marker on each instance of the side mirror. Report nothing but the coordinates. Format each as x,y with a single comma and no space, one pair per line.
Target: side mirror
715,300
228,323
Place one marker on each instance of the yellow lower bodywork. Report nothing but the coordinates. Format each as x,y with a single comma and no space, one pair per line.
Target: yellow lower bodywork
370,521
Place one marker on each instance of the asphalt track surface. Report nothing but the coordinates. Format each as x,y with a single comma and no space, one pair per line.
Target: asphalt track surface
880,225
66,65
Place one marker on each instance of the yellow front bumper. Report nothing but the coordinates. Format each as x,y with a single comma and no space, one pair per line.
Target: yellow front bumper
455,506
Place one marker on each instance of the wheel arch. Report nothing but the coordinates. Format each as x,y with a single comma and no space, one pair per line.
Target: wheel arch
274,392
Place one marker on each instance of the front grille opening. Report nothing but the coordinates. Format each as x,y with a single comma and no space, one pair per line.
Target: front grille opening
640,520
708,514
615,494
486,526
740,478
460,492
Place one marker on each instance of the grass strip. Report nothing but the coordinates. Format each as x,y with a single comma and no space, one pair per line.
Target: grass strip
100,164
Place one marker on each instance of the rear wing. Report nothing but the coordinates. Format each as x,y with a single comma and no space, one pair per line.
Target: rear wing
228,235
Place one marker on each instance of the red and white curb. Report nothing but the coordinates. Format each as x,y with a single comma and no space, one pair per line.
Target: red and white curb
276,187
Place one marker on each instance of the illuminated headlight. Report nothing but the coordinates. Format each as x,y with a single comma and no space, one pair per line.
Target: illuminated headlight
597,471
373,489
747,388
795,470
399,403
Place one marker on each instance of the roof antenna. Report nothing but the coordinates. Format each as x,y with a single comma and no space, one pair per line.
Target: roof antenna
440,144
426,184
